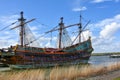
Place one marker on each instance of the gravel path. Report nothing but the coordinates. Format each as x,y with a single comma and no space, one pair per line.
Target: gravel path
107,76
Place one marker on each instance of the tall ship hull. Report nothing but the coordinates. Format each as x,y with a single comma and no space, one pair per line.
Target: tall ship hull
32,57
22,56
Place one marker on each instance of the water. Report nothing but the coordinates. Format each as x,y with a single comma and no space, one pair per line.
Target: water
4,69
103,60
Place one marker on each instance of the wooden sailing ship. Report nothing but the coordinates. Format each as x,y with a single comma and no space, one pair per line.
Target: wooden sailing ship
25,56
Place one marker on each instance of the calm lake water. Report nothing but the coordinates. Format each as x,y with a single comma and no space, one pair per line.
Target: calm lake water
103,60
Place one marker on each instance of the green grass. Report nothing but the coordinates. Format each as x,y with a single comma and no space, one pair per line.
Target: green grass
103,54
117,78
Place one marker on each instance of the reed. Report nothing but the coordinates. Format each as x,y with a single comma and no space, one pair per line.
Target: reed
59,73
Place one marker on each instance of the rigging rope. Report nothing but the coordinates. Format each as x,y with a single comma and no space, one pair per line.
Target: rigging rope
36,39
51,38
66,40
41,36
41,23
9,25
29,36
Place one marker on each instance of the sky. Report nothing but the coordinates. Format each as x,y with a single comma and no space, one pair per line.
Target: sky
104,16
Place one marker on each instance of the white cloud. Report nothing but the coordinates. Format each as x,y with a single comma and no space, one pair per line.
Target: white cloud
109,30
7,36
47,41
7,20
106,40
79,9
99,1
78,5
33,28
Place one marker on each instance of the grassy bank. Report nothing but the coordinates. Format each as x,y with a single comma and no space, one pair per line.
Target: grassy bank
105,54
59,73
117,78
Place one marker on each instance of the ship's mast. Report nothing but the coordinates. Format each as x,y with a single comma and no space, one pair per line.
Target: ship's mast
61,24
80,29
22,28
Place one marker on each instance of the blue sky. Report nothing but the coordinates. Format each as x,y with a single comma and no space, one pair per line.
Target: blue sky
104,16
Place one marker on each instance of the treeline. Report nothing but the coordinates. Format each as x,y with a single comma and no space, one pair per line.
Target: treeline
105,54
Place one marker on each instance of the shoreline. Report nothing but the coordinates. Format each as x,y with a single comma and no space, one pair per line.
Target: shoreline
106,76
85,72
110,75
105,54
